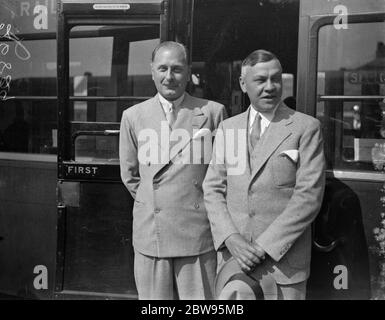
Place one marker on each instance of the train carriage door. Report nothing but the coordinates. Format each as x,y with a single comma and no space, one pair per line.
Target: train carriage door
104,54
341,82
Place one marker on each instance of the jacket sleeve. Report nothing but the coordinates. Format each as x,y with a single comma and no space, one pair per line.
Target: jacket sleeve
220,115
306,199
215,189
128,151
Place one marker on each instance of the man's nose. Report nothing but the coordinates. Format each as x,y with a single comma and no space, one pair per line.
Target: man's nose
169,74
269,85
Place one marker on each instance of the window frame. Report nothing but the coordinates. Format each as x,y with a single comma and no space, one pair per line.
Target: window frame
311,97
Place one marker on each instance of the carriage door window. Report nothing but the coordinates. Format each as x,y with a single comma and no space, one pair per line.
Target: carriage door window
109,72
351,92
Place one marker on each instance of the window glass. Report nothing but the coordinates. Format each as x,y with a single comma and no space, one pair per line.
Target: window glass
121,67
351,65
139,70
28,125
32,67
97,149
219,46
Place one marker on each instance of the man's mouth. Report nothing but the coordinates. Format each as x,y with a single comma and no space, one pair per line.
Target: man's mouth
268,97
170,86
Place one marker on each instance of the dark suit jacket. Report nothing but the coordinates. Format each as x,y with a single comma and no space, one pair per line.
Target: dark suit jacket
169,215
275,203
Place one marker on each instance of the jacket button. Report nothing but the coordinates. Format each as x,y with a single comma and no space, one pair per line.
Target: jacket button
148,163
196,205
157,210
195,183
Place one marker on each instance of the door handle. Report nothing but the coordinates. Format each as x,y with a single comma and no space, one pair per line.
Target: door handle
330,247
111,132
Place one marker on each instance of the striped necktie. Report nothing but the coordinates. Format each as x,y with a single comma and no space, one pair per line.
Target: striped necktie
255,131
171,115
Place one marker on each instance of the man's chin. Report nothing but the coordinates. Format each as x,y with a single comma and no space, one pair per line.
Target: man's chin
171,95
267,106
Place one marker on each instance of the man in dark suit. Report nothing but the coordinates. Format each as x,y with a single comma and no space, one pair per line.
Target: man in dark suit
163,168
261,209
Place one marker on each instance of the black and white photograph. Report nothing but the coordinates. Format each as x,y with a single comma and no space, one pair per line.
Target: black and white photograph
211,151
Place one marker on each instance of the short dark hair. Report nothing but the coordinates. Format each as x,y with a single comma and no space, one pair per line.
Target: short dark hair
258,56
170,44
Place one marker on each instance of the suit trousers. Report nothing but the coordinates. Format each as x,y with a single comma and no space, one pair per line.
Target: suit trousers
295,291
184,278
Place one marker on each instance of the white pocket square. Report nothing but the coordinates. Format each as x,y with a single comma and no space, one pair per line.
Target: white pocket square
201,132
292,154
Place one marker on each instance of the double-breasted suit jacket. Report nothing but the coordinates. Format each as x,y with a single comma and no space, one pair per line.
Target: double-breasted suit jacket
169,215
277,195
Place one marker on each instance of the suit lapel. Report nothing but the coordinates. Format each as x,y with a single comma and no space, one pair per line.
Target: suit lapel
190,119
276,133
156,120
155,116
243,124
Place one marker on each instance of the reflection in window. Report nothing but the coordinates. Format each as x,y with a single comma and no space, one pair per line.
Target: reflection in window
121,67
351,62
219,46
30,126
97,149
139,81
35,76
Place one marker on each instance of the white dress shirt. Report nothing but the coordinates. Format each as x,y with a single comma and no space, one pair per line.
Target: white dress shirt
266,118
167,105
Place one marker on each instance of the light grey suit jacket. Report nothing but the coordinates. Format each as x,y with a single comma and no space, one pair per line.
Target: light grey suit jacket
169,215
275,203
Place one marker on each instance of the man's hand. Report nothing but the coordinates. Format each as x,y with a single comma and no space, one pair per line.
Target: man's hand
261,252
247,254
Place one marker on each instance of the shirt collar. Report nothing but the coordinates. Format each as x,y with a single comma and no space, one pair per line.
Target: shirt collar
166,105
266,117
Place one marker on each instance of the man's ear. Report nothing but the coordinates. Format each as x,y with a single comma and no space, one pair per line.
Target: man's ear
242,84
152,71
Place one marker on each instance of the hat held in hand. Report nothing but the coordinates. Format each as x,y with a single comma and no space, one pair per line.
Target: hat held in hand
231,283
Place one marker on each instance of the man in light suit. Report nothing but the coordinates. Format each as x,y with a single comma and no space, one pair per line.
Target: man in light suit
159,143
261,210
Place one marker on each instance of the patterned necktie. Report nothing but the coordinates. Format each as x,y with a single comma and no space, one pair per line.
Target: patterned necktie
171,116
255,131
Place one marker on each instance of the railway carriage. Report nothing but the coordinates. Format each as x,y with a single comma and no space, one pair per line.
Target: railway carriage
68,71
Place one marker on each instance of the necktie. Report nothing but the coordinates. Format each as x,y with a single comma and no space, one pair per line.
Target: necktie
255,131
170,115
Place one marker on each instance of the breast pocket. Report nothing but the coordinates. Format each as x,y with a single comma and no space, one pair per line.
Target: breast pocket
284,171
